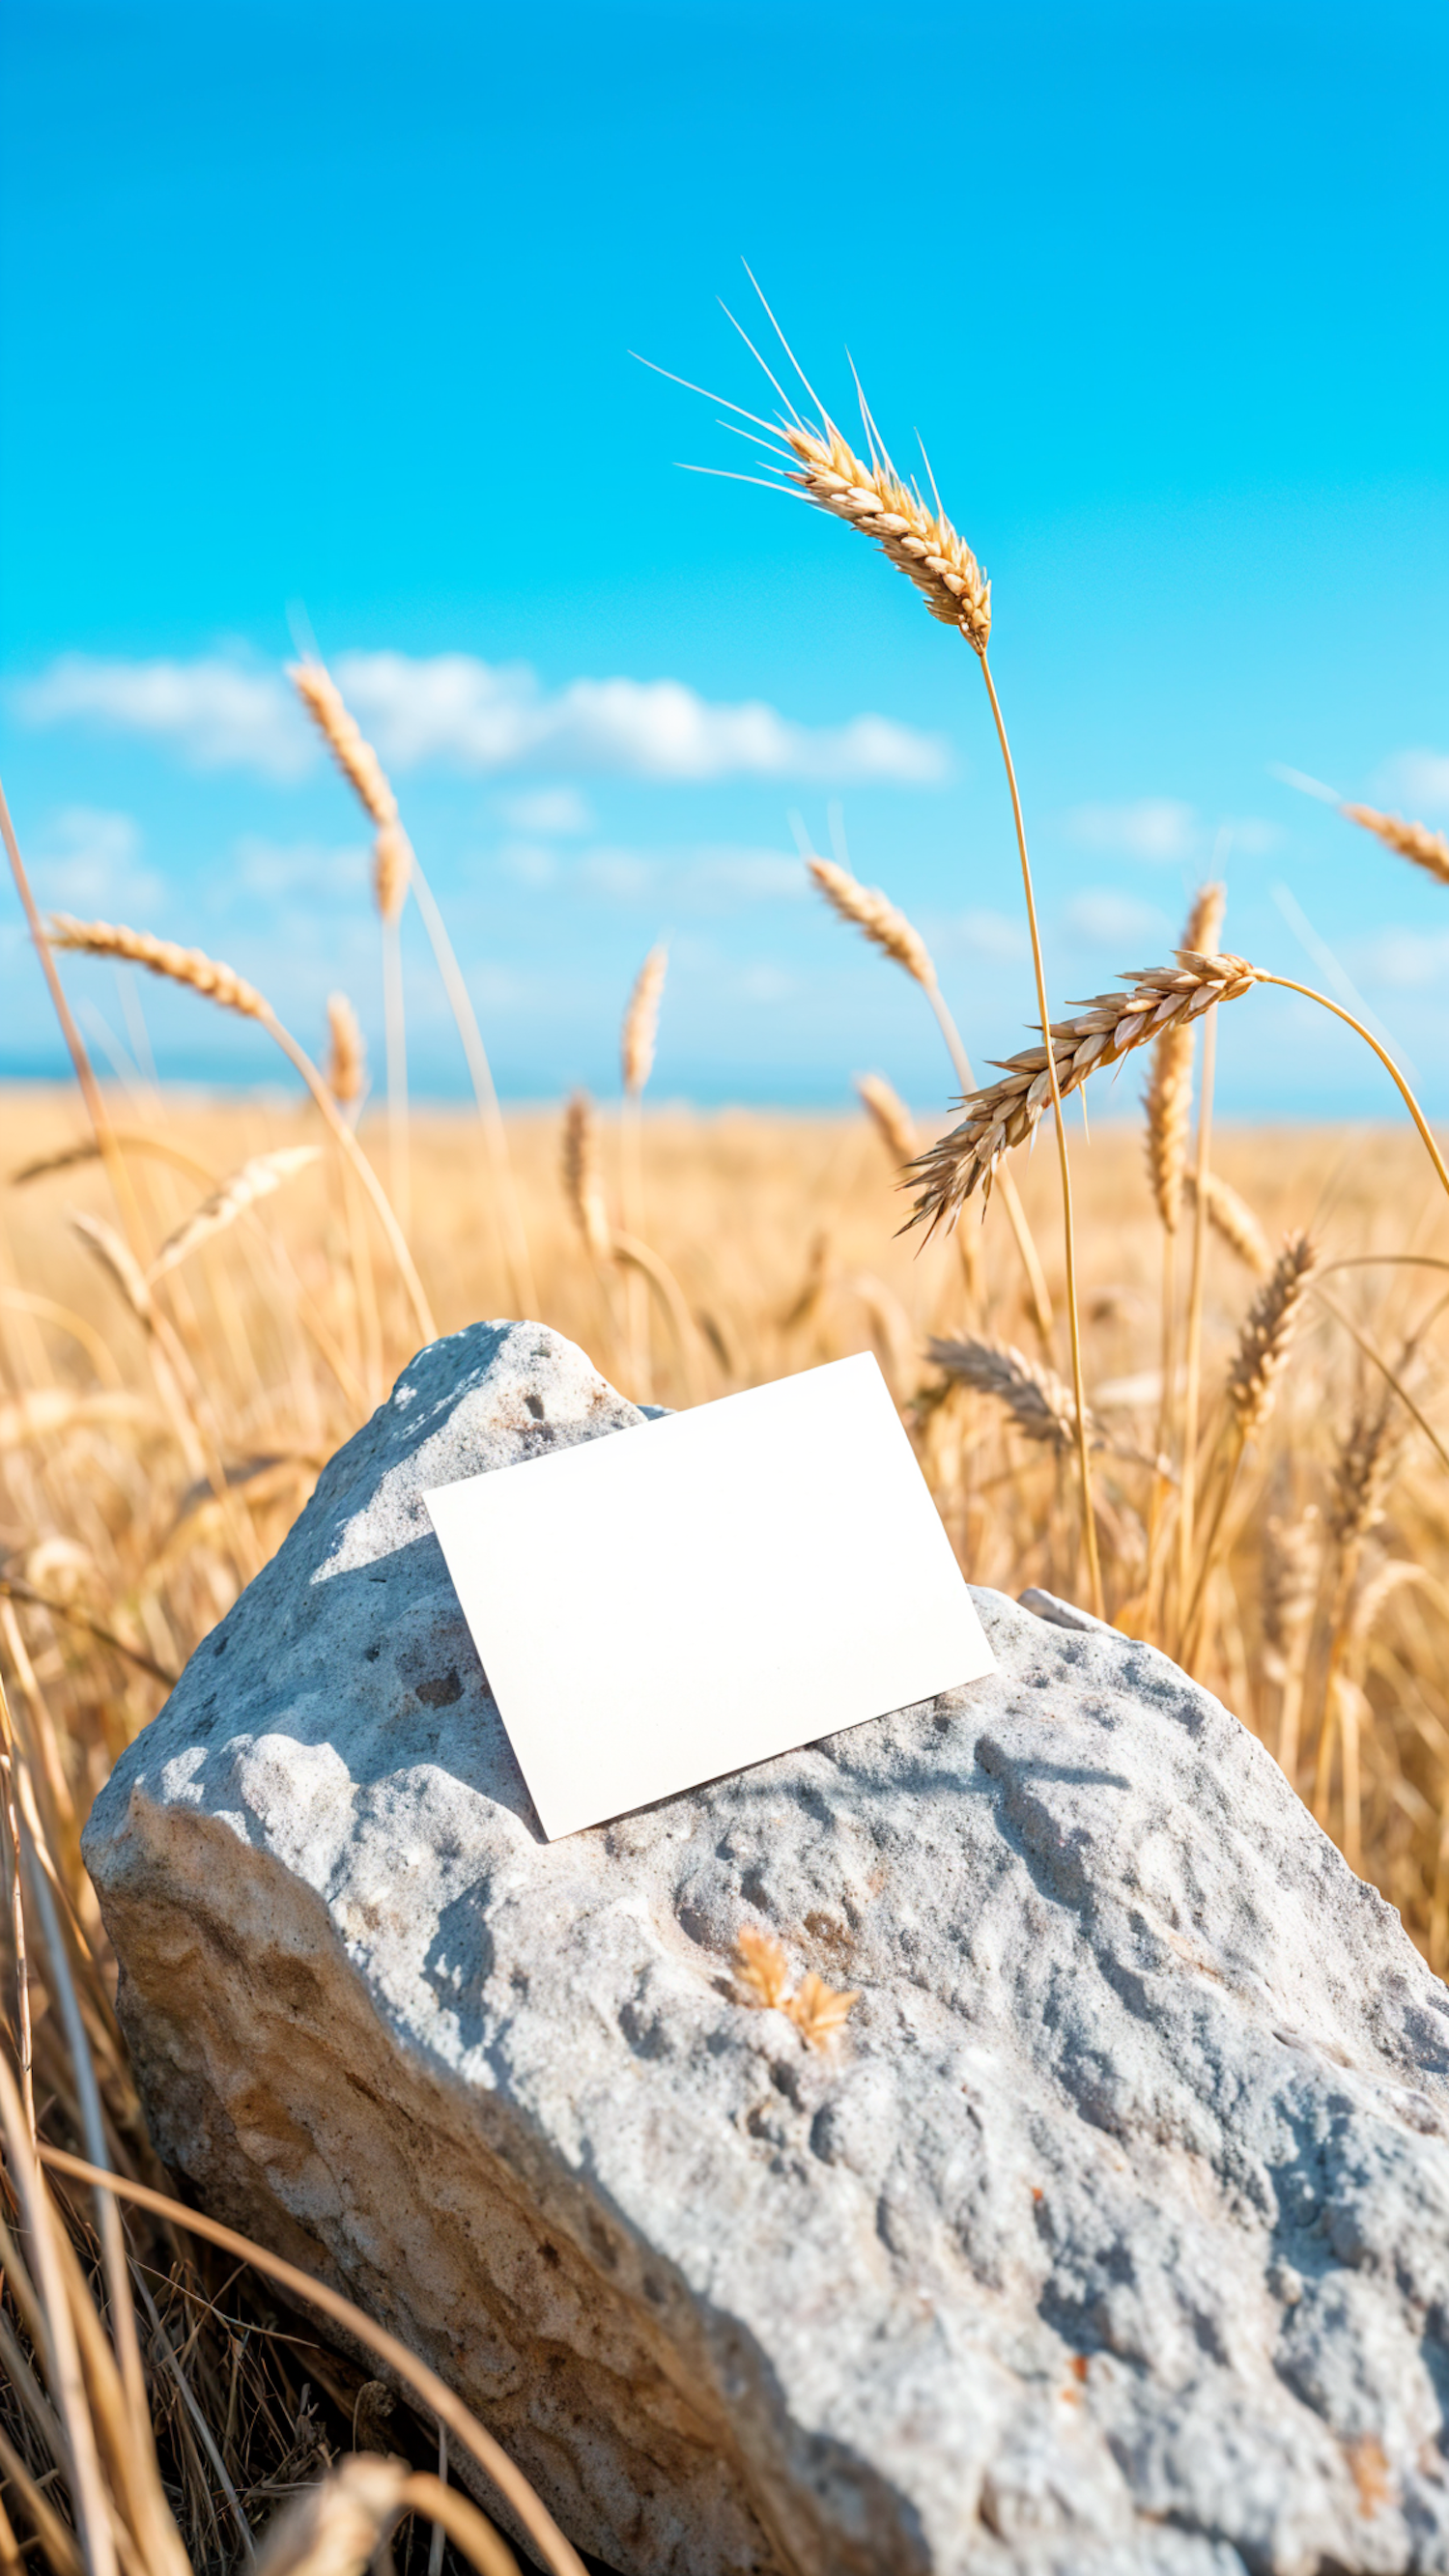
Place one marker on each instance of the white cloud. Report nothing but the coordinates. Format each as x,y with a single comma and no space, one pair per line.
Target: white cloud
287,870
1416,779
1156,828
455,708
1408,960
1104,918
996,936
217,712
88,862
559,810
220,711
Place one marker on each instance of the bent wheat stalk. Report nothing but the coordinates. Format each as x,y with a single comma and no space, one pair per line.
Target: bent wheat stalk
887,928
221,984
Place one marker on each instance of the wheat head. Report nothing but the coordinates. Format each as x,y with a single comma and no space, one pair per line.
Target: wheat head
1365,1464
1428,850
920,542
252,1181
641,1022
1039,1402
1005,1113
1231,1217
889,1116
1168,1097
345,740
346,1071
205,975
1292,1551
392,861
583,1177
1267,1335
874,913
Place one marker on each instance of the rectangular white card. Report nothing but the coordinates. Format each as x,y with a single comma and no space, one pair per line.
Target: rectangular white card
684,1599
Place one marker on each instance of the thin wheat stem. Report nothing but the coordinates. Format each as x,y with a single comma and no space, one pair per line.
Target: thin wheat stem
1037,1290
1089,1526
397,1240
1192,1386
395,1032
1287,984
516,1257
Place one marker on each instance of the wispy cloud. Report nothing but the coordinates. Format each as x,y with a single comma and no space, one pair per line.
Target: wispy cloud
89,861
218,713
1104,918
559,811
1416,779
477,715
222,711
1156,828
1406,960
294,871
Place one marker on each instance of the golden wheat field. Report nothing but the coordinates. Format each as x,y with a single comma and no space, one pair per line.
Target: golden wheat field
159,1433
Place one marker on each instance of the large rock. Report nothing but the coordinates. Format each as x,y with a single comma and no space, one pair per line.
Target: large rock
1114,2235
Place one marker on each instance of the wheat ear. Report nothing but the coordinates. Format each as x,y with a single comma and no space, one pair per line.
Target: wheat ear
1039,1402
1365,1463
889,1116
346,1068
1230,1216
221,984
888,929
1428,850
583,1177
254,1180
1258,1363
1006,1113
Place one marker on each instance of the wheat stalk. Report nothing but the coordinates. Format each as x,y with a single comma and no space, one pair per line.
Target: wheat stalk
221,984
191,966
887,928
883,923
1267,1336
1231,1217
253,1180
346,1069
583,1177
888,1115
1039,1402
345,740
641,1022
1292,1554
1006,1113
1428,850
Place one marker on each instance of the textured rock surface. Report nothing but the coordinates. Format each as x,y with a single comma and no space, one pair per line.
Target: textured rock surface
1115,2237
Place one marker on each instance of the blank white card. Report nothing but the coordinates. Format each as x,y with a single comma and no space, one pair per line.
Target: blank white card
680,1600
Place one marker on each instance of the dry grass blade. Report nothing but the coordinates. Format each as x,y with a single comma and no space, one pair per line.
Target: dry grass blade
1006,1113
1230,1216
1428,850
346,1069
345,740
819,2011
557,2553
583,1177
641,1022
889,1116
87,1150
1039,1402
763,1969
1267,1335
255,1180
116,1257
342,2526
190,966
883,923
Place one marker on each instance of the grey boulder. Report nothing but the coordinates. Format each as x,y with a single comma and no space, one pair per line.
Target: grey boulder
1112,2234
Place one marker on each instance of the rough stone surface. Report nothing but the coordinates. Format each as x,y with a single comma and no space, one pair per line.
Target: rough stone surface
1114,2237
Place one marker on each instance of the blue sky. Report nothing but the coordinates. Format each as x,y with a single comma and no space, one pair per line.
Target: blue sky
334,305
